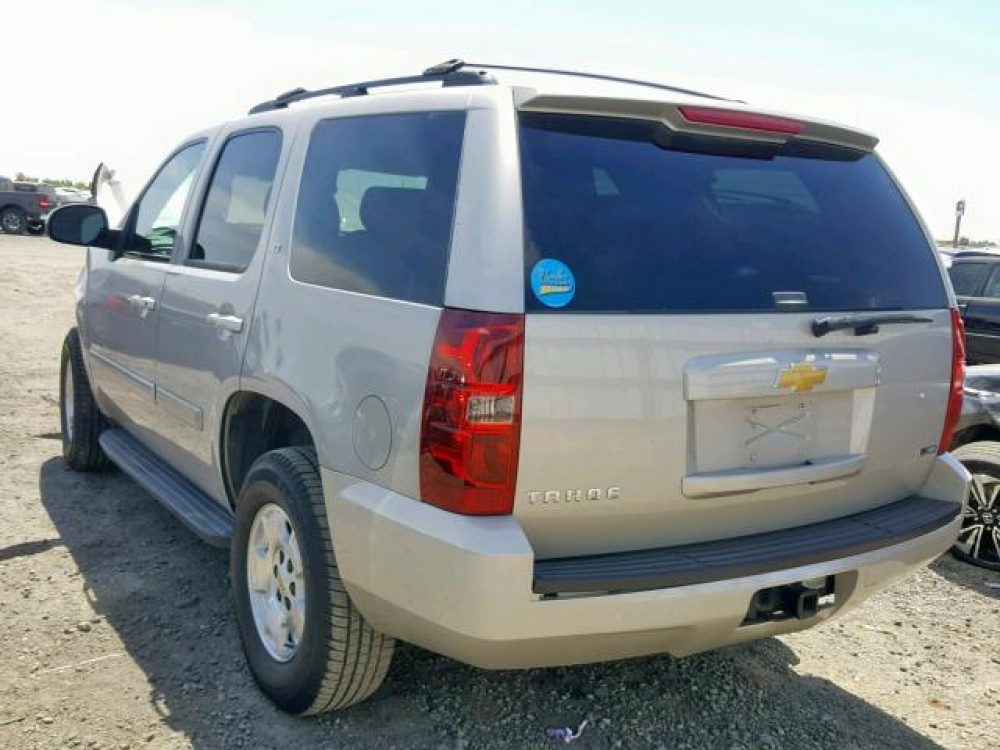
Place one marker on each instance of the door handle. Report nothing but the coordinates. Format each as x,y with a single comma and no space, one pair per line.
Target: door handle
750,480
226,322
142,302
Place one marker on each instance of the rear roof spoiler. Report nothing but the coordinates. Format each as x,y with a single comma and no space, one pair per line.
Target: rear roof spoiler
730,120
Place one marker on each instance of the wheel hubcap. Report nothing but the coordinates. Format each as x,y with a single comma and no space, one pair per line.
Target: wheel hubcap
980,534
276,583
69,402
11,222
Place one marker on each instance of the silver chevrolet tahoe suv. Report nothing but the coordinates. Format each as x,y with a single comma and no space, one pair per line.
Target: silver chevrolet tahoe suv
538,371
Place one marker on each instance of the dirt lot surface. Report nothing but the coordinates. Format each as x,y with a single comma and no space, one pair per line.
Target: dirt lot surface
117,627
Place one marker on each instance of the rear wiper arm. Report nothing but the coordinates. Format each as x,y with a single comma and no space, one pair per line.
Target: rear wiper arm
863,325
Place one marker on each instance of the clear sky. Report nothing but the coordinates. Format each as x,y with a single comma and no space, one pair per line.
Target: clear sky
123,81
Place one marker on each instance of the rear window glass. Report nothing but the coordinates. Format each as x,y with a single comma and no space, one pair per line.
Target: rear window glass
376,202
626,216
967,278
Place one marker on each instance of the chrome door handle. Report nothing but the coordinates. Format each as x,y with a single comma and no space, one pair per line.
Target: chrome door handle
144,303
227,322
140,300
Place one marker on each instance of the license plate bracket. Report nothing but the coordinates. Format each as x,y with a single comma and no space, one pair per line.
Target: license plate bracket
778,433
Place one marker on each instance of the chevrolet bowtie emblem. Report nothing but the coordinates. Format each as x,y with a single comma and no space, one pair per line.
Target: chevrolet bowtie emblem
801,377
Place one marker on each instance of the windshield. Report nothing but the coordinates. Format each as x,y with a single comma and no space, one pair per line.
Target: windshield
628,216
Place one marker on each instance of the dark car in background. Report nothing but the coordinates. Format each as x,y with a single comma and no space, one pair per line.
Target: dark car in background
24,205
977,445
975,275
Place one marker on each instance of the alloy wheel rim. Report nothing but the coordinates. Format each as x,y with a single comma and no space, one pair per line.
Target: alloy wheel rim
11,222
980,534
69,403
276,582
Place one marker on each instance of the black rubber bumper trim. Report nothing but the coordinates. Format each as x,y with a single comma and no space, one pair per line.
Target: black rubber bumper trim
703,562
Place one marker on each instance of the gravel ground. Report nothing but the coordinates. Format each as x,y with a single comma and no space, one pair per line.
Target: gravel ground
118,629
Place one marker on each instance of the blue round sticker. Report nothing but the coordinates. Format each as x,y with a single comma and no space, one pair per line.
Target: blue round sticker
553,283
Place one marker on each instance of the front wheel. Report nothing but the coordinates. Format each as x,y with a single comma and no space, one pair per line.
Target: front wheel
308,647
979,540
81,422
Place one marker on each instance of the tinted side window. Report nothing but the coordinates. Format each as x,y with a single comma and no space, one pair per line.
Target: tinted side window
967,278
632,217
232,217
376,202
158,213
992,289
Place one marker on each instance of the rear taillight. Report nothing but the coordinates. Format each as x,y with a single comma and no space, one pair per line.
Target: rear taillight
44,202
471,425
734,118
957,381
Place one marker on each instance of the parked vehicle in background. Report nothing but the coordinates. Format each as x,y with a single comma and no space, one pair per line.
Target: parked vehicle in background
521,374
24,206
977,446
72,195
975,277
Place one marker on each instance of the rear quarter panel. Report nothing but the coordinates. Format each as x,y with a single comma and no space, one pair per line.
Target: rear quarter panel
323,352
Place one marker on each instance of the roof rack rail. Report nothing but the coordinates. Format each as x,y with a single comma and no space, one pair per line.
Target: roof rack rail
599,77
454,73
449,73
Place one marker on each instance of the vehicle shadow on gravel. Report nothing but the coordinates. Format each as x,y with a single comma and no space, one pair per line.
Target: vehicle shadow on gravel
982,581
166,596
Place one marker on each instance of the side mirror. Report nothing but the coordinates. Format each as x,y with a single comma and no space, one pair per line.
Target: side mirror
80,224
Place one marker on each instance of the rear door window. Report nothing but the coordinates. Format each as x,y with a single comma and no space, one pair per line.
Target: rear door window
376,202
967,278
628,216
232,217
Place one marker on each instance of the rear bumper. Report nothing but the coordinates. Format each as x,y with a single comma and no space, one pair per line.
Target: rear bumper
745,556
463,586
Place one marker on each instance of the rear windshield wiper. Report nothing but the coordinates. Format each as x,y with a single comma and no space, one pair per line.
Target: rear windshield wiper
863,325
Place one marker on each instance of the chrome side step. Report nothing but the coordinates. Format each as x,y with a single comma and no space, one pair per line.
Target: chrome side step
194,508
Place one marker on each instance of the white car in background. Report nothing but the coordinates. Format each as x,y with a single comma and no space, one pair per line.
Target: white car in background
71,195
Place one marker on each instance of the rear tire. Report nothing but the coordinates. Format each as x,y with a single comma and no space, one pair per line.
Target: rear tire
13,220
80,421
979,540
336,659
